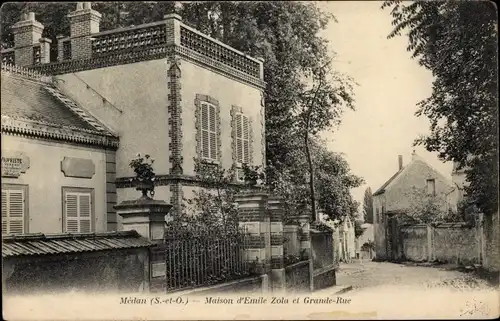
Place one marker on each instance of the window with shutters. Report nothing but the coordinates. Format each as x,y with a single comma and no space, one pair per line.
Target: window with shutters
209,123
242,139
207,120
78,204
14,209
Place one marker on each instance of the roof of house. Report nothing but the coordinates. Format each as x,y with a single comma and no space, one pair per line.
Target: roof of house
47,244
416,157
381,190
34,106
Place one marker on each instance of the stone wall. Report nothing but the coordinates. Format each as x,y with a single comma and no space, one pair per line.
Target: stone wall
106,271
252,285
491,258
414,238
324,278
455,244
447,242
322,249
298,277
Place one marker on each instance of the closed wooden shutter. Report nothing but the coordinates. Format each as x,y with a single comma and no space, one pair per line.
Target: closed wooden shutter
13,211
246,140
242,138
205,132
209,139
78,212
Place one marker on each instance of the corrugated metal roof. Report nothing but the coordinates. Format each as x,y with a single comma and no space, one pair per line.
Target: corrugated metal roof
46,244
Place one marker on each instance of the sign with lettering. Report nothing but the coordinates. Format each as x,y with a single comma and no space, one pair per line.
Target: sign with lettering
14,164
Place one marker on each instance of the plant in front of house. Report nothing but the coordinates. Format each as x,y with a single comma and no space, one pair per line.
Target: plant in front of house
144,174
254,175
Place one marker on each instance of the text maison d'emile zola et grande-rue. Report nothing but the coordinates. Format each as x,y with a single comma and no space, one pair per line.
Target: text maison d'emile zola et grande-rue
247,300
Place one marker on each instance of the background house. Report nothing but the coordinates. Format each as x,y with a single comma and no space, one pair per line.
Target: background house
395,197
57,160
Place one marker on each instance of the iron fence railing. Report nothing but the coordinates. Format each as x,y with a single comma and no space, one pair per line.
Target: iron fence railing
202,261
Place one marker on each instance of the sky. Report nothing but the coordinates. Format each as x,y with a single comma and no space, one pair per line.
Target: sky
384,124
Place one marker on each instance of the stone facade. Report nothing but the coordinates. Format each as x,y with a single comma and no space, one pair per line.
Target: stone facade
394,197
154,95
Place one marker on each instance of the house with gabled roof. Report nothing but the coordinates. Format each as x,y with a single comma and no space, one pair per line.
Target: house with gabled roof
164,88
393,198
56,159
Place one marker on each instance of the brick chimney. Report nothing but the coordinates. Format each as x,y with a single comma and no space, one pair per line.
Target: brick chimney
83,22
400,160
27,33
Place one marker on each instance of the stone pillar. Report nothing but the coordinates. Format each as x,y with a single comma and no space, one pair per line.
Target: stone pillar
27,33
173,25
304,236
60,49
144,215
45,50
305,245
83,23
275,208
430,248
254,218
261,67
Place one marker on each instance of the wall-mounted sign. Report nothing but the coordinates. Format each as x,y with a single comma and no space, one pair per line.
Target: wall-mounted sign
158,270
77,167
14,164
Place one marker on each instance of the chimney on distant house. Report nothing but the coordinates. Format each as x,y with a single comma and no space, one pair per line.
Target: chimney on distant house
27,34
400,160
84,21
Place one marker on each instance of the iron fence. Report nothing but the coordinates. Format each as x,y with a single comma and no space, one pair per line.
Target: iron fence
201,261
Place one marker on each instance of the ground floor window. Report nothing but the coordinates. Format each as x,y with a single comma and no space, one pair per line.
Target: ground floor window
78,205
14,209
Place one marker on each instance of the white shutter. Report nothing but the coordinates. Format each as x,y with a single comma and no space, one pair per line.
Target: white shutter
246,140
78,211
85,205
13,211
213,134
239,138
205,135
242,138
71,204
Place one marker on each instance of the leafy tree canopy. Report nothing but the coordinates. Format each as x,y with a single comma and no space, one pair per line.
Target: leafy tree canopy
457,41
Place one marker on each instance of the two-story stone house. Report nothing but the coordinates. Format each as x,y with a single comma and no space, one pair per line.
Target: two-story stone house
161,88
394,197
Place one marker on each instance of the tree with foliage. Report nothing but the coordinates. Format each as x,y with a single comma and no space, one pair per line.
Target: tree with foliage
368,206
457,41
429,208
319,108
358,230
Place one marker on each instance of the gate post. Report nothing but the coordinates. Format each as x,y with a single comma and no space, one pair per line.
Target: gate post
275,208
147,217
254,218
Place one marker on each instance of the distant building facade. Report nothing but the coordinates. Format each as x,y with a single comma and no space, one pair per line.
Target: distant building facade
393,198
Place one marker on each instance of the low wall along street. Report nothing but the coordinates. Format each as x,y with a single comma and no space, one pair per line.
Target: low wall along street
297,277
456,243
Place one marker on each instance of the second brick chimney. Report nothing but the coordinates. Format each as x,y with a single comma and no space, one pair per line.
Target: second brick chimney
83,22
400,160
27,34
